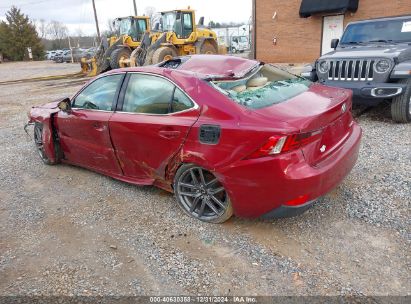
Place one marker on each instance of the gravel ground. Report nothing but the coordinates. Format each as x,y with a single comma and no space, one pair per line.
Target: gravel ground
68,231
23,70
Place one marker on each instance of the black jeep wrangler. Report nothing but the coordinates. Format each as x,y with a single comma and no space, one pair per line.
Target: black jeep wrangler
373,59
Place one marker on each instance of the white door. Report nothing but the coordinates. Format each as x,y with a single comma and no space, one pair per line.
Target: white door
333,27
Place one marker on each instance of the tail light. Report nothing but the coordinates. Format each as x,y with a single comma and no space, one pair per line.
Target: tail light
281,144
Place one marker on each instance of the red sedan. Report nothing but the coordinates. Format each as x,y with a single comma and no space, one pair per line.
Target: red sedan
227,135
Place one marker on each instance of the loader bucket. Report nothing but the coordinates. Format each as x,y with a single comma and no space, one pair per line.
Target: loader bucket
89,66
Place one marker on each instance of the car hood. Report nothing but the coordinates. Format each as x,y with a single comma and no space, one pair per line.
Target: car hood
386,51
45,111
49,105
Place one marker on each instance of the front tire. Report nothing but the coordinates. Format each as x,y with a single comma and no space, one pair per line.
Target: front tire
117,56
401,105
200,195
163,53
38,141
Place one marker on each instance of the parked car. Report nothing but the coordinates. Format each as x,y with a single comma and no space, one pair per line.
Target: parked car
373,59
225,134
59,58
77,55
51,55
88,53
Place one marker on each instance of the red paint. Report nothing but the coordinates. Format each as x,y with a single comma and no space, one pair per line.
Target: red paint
148,149
85,139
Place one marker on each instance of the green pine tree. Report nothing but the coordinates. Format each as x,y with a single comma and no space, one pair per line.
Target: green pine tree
16,34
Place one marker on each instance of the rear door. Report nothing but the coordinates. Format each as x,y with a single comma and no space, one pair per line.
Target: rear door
84,133
152,123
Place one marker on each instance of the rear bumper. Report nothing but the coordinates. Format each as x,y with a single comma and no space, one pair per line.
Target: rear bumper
258,187
369,91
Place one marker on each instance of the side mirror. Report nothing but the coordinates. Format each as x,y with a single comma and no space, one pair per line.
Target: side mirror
65,105
334,43
201,22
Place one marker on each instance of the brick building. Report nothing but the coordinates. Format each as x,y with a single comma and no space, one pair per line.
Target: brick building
301,30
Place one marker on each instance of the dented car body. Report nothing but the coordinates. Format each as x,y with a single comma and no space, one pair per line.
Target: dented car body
206,128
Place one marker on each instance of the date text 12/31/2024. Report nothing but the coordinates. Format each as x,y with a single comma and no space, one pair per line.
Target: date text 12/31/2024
203,299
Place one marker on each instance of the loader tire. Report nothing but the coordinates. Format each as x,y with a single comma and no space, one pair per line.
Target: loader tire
208,48
117,55
163,53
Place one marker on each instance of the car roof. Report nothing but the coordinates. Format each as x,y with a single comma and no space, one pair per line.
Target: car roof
203,66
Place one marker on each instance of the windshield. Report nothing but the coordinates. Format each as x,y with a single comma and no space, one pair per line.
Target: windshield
125,26
264,88
378,31
242,39
169,20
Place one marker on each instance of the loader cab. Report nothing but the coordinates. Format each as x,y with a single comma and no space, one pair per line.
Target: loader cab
181,22
134,27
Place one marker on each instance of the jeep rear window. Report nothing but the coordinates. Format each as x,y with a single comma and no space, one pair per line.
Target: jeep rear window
267,86
378,31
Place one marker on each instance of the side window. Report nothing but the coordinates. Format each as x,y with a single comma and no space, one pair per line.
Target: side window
148,94
99,95
180,102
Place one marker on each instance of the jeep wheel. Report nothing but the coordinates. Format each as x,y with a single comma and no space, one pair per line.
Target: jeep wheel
401,105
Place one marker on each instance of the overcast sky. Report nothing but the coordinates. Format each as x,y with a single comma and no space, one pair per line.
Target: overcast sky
79,13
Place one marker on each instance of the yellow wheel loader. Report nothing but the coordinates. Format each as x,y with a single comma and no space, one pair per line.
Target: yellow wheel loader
114,52
178,35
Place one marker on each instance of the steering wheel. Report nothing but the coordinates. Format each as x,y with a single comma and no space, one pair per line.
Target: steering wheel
90,105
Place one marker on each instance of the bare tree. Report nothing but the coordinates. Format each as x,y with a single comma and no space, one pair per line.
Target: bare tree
112,27
79,35
58,32
41,27
151,11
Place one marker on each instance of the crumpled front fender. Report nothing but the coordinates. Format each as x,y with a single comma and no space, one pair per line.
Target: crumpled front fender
44,115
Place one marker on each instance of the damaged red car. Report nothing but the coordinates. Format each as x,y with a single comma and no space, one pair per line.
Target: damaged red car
227,135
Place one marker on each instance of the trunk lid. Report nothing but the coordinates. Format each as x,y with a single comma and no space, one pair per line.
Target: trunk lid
320,108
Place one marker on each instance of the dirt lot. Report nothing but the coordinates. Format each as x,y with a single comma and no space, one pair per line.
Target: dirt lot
68,231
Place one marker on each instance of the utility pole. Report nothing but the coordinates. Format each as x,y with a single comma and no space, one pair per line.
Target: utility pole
71,49
135,7
95,18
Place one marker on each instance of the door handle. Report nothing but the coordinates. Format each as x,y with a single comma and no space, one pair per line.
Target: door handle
169,134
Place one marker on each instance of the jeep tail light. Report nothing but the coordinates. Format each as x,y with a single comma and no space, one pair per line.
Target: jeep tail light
281,144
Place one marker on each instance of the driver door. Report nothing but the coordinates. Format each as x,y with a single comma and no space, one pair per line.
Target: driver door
84,133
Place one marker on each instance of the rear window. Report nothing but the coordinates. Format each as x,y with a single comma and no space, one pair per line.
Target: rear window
267,86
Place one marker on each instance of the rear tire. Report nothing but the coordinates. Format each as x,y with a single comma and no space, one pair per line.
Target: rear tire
200,195
401,105
163,53
117,55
